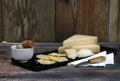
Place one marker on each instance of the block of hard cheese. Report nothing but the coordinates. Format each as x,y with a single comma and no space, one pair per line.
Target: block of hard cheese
93,47
77,40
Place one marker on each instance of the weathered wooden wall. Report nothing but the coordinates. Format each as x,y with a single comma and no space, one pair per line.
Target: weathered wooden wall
119,21
0,20
113,20
82,17
29,19
56,20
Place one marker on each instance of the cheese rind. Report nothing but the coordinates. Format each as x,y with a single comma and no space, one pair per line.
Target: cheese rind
77,40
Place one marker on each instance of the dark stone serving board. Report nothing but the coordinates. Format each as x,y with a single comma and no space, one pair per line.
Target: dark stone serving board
34,66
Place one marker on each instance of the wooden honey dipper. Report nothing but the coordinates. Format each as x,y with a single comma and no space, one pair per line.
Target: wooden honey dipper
28,44
25,44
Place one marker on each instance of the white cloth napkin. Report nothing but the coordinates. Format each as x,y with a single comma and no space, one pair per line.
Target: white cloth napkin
109,60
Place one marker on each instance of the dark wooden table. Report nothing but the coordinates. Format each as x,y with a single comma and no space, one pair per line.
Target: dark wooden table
10,72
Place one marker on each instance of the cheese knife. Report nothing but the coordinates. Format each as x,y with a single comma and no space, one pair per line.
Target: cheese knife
95,60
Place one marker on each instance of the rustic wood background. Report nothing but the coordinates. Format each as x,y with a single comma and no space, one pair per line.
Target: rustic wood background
56,20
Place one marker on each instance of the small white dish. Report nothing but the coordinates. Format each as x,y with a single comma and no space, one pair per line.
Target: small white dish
21,54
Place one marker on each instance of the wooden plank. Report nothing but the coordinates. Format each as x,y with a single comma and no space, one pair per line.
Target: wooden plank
29,19
1,20
83,17
11,72
113,21
119,20
43,47
65,18
93,18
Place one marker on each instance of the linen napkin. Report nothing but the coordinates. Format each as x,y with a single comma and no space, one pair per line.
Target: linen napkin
109,60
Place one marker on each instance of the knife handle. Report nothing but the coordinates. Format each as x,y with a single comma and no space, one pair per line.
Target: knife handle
97,59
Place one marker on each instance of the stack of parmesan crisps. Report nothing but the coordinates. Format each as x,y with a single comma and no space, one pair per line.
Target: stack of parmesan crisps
51,58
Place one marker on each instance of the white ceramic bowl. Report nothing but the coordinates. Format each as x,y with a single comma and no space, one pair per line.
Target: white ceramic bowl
21,54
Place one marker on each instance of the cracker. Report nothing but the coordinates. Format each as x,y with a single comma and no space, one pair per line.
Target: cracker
63,55
57,55
58,59
41,56
46,62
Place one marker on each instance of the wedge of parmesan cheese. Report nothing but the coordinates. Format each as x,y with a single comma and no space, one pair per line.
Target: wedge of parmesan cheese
78,40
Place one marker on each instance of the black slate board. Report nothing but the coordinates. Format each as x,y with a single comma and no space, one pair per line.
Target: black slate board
34,66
